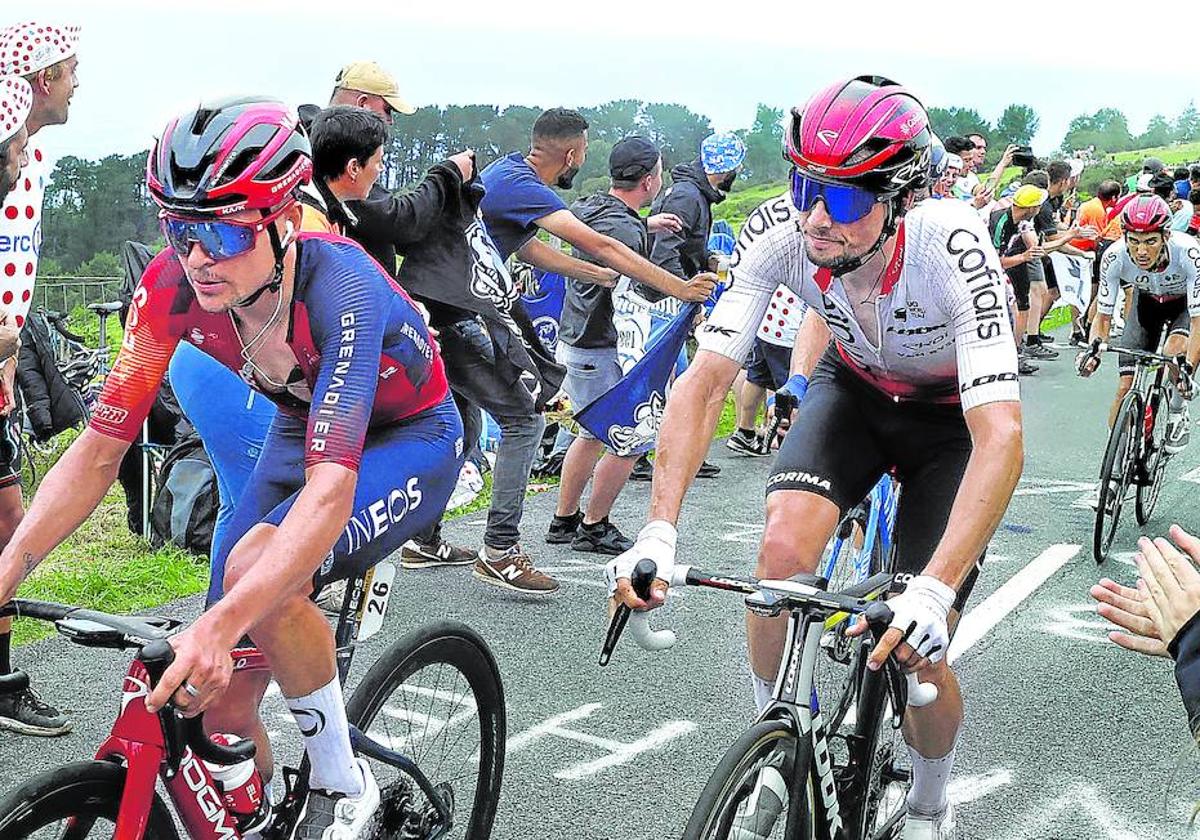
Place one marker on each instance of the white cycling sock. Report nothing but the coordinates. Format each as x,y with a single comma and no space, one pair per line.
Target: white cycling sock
763,689
930,778
321,717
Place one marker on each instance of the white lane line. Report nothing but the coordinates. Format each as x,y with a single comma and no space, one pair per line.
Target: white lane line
1191,475
979,622
970,788
1044,487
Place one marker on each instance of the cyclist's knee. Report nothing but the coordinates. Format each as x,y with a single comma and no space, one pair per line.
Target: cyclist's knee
798,527
1176,344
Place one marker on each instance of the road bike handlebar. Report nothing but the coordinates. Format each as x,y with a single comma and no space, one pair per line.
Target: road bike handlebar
767,597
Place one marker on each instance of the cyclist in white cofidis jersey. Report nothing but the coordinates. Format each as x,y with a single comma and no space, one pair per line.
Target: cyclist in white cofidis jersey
1163,269
909,362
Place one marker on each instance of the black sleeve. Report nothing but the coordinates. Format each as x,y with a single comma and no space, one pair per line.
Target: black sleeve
667,245
405,218
35,391
1185,648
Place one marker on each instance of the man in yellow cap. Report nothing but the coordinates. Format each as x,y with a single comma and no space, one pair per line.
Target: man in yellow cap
1017,243
367,85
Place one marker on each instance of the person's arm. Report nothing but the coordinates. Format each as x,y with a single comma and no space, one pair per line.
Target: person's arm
408,217
666,248
566,226
68,494
1005,161
993,469
538,253
811,340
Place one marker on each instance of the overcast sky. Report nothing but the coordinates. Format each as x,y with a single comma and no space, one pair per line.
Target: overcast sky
142,61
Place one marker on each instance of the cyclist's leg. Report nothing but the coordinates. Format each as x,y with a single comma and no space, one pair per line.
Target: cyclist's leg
1142,328
827,464
406,476
932,448
1178,328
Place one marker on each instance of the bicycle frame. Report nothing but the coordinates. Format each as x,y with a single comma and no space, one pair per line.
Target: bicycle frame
880,527
795,700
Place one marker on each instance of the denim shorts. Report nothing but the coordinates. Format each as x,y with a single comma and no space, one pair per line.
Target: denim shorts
590,373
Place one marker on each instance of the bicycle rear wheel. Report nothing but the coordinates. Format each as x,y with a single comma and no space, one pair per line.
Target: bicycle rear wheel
1116,473
1154,463
436,697
74,802
750,793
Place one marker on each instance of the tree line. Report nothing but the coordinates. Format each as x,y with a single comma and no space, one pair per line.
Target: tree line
92,207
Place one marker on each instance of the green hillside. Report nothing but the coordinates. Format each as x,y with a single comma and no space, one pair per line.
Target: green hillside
1177,155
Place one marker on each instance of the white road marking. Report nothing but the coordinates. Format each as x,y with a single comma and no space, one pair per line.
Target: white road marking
1045,487
749,533
1192,475
970,788
626,753
1103,822
1078,621
979,622
547,727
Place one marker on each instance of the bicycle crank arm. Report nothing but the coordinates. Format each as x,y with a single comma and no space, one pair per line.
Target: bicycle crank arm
368,746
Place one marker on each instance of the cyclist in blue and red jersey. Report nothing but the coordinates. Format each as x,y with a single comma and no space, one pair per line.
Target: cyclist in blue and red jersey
363,452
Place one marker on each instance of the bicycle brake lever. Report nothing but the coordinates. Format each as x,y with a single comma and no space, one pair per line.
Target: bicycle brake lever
879,616
641,580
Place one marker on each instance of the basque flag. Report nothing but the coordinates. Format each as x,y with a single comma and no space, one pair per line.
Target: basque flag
627,416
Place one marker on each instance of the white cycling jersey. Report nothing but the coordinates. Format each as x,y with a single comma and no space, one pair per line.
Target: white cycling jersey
944,332
1180,277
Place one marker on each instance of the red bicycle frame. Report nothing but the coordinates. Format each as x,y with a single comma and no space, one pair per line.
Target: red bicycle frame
138,742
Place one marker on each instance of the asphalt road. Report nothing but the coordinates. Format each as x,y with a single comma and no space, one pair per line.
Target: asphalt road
1066,735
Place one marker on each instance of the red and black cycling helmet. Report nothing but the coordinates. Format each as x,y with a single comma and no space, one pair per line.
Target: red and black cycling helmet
867,131
1146,214
247,153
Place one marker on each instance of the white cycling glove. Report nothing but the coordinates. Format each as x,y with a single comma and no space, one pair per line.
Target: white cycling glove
919,612
655,542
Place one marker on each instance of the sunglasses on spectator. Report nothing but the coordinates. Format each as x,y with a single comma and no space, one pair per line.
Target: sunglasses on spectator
844,203
221,239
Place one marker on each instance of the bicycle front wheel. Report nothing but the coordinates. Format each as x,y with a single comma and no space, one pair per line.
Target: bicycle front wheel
1116,473
1154,466
750,793
436,697
76,801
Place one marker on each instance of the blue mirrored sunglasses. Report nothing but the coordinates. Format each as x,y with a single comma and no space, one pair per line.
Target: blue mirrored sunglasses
844,204
221,239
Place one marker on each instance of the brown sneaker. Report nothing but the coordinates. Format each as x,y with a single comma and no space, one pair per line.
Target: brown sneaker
414,555
513,569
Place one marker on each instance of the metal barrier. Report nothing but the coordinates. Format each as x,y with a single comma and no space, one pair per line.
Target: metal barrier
66,293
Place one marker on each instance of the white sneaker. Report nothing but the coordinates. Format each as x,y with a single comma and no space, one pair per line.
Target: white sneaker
468,487
941,827
335,816
756,817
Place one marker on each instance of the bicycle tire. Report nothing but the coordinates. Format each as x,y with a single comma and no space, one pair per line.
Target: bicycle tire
1154,464
876,759
1124,435
458,646
87,791
735,776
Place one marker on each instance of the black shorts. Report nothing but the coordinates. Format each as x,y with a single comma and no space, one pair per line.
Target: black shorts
1048,271
846,434
1144,326
769,365
1019,276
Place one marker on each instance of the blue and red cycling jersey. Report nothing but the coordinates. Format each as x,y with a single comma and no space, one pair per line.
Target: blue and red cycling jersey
360,343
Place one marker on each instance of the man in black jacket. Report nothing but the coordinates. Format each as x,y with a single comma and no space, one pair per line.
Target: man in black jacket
587,347
695,188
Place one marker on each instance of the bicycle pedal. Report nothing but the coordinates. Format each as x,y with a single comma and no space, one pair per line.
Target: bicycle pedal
892,773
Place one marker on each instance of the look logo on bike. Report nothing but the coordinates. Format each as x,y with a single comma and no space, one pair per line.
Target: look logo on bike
909,354
362,455
1162,268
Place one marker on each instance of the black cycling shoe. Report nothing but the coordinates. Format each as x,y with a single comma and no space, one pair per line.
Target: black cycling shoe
563,528
708,470
601,537
23,712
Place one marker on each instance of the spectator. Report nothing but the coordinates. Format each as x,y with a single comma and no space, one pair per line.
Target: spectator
695,188
347,144
587,347
1097,215
45,56
364,84
1193,178
1016,241
1181,220
1183,186
943,187
16,100
1193,227
1150,166
973,150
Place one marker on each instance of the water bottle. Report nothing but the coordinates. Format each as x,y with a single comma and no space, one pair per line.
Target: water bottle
242,788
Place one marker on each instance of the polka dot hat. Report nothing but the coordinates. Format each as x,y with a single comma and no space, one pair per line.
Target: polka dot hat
29,47
16,100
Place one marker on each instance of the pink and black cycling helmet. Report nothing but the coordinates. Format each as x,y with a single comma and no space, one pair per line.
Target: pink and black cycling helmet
867,132
1146,214
239,154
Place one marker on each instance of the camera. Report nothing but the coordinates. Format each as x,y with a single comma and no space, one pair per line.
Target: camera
1024,157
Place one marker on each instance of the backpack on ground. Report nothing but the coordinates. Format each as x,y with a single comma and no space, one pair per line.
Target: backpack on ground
185,507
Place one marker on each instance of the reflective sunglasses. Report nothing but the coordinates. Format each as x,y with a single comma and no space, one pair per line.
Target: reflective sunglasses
845,204
221,239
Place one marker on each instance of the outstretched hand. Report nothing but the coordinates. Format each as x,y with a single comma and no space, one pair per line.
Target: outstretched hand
1123,606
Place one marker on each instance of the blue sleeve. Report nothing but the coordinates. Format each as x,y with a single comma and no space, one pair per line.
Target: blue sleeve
518,200
348,302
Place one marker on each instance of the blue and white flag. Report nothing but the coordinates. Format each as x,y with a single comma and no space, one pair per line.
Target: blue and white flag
543,297
626,418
